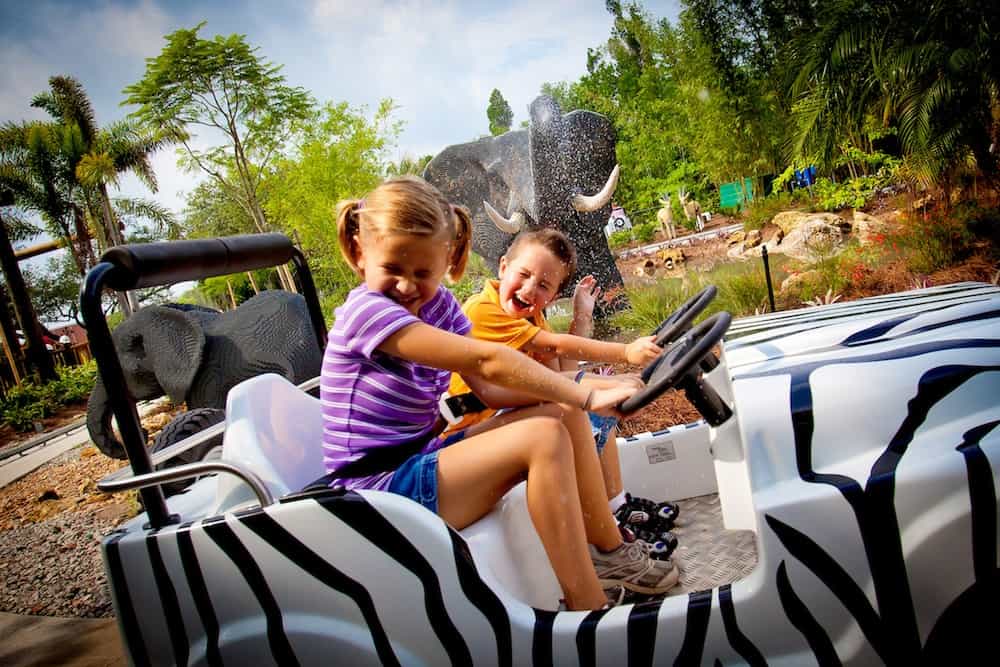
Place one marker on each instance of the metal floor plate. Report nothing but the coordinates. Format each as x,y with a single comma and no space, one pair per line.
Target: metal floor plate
708,555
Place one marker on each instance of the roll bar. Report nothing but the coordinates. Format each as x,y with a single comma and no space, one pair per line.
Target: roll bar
165,263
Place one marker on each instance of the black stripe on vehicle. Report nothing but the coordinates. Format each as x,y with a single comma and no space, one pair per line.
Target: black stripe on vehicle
353,510
586,637
168,598
483,597
983,499
199,593
804,621
739,641
291,548
642,633
230,543
838,580
541,639
696,629
126,611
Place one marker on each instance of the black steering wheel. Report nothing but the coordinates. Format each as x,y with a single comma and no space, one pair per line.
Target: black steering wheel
680,320
677,365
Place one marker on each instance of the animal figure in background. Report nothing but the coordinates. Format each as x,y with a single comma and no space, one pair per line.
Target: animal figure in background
692,209
545,176
666,217
196,355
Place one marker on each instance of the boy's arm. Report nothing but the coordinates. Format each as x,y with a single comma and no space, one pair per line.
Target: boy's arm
567,346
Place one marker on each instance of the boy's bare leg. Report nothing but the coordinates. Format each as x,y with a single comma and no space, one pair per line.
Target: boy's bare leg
611,466
602,529
475,473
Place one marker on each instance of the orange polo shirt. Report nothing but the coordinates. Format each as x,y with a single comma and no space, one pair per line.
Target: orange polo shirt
491,322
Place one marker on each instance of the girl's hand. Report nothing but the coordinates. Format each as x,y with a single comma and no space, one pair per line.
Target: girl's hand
606,401
641,351
584,297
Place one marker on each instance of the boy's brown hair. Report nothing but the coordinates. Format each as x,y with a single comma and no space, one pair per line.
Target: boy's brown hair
552,240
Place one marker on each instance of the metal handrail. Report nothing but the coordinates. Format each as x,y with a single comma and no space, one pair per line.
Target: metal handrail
178,448
188,471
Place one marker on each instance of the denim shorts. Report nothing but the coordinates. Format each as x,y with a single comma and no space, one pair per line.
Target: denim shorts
416,478
601,427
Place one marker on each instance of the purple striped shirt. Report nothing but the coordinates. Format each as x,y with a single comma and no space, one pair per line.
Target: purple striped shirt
370,399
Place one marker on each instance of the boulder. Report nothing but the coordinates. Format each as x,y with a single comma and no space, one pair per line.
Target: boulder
796,279
814,237
866,227
771,234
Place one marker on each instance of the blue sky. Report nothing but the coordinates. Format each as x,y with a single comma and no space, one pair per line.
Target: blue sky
437,60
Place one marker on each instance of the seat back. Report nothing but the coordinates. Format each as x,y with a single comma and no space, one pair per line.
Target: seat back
276,430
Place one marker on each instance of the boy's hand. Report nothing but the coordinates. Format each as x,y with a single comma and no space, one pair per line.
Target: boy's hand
641,351
585,296
606,401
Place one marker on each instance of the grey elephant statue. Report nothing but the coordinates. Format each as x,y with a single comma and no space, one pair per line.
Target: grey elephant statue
545,176
195,355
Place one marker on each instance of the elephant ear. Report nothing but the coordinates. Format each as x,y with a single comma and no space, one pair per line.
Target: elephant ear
175,347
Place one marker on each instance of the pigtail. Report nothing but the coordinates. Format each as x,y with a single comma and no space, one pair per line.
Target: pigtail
463,240
349,227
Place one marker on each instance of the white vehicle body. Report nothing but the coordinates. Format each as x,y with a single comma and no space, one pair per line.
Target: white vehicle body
863,453
618,222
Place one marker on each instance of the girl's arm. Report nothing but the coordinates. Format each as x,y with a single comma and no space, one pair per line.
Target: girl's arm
498,364
567,346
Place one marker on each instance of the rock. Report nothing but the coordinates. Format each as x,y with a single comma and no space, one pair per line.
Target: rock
48,494
752,240
814,237
796,279
736,237
771,234
867,227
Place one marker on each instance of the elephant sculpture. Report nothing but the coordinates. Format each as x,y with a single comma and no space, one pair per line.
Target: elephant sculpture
540,177
195,355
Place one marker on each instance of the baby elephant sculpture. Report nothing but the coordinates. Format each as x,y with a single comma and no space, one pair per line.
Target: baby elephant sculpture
195,355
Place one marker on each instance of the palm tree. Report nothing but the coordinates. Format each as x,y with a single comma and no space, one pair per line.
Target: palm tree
123,147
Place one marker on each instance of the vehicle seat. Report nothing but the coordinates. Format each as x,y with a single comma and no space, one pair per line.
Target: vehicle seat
276,430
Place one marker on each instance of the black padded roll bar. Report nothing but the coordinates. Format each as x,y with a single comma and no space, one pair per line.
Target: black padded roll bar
168,262
151,264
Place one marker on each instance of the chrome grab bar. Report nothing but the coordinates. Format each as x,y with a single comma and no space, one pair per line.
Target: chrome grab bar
264,497
121,479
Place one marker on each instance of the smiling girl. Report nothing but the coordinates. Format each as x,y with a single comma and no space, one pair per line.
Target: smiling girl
395,341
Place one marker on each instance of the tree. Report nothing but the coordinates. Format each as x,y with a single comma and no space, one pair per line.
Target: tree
222,85
337,154
499,114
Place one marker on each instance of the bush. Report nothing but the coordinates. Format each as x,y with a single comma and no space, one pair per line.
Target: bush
645,233
935,239
620,239
29,402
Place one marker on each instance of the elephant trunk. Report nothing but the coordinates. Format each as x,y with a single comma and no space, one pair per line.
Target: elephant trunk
99,426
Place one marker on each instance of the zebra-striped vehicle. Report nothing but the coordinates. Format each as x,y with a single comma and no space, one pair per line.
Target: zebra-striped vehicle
839,506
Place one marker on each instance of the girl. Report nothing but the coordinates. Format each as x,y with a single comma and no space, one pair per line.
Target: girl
396,338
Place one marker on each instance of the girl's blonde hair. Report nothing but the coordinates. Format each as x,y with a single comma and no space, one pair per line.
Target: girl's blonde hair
407,205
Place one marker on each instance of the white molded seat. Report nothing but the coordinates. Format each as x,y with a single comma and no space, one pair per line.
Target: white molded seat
276,430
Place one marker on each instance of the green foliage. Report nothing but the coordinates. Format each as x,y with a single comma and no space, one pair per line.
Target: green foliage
620,239
30,402
645,233
762,210
499,113
934,239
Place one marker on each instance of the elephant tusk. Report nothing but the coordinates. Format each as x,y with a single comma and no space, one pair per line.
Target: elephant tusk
586,204
511,226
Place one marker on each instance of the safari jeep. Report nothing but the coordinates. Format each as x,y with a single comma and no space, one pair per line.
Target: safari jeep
839,506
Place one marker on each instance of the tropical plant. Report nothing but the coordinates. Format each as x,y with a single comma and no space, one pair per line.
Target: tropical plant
224,86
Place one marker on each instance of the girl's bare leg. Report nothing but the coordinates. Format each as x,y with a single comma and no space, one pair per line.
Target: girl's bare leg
611,465
475,473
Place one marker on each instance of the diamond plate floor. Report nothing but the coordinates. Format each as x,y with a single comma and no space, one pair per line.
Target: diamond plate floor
707,555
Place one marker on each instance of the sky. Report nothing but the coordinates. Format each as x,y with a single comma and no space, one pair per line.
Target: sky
438,61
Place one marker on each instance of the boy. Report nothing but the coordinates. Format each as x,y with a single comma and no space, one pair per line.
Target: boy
510,311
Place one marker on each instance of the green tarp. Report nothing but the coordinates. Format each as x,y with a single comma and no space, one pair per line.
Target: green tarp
732,196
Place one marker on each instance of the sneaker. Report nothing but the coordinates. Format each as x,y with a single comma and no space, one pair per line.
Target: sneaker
663,548
647,519
630,566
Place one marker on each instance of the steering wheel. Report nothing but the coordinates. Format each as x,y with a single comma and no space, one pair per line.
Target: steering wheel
676,365
670,329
